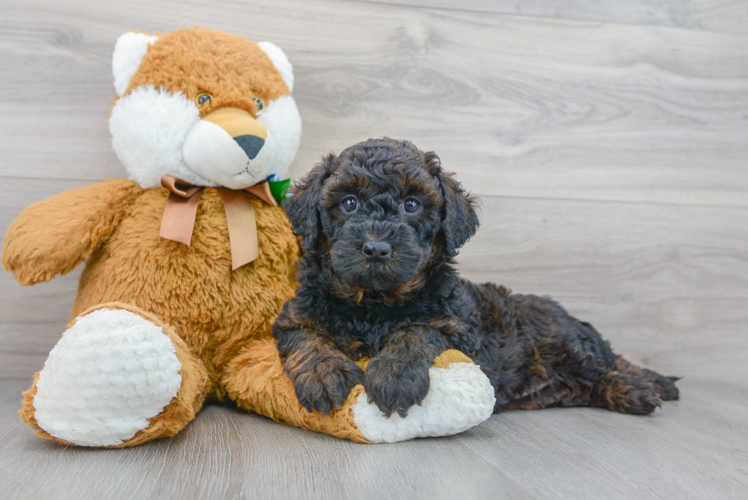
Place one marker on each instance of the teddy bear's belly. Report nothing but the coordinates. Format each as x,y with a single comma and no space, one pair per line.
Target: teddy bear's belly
192,288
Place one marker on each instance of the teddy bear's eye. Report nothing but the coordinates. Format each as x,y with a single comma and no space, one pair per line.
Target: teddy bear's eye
204,98
260,105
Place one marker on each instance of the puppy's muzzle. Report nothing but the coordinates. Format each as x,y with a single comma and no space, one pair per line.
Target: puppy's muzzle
377,251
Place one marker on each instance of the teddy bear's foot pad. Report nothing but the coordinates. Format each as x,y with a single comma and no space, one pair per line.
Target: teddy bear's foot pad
460,397
109,373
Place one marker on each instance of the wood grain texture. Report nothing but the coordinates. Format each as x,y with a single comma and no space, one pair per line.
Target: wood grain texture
518,106
693,448
712,15
609,147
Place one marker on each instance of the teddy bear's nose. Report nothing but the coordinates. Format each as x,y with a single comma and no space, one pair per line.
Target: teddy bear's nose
248,133
251,144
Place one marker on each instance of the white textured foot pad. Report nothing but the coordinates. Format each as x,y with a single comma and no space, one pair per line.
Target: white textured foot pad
108,374
460,397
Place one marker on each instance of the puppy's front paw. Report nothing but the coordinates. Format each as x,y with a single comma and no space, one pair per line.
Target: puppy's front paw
323,384
395,385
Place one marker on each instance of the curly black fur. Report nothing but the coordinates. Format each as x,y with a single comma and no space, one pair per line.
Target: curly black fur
407,305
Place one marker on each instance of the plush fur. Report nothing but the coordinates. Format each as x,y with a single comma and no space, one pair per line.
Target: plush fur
381,224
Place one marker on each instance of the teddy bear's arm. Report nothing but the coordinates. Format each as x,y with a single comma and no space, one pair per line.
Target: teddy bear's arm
53,236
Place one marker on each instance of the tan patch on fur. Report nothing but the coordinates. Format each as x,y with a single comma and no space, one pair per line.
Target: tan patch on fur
394,295
537,367
451,356
403,290
442,361
363,363
237,122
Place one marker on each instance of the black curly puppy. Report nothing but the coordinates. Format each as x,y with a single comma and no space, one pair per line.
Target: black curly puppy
380,225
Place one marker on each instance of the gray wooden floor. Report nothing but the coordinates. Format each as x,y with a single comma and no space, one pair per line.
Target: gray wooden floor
609,143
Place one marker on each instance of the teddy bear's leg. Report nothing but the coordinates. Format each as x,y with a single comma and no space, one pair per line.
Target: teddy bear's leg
460,397
117,377
256,381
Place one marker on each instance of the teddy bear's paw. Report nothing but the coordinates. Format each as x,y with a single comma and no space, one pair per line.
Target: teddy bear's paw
460,397
109,373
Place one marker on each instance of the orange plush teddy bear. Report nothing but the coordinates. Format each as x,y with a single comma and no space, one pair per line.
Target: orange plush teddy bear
189,262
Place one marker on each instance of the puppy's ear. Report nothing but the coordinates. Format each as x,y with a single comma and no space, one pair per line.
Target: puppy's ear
459,217
304,205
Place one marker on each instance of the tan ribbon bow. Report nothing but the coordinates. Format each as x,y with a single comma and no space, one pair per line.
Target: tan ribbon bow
178,221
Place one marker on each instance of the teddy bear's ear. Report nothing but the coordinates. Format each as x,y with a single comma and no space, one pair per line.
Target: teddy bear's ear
280,61
128,52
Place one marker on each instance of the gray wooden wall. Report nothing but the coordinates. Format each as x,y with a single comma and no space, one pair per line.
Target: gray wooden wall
608,141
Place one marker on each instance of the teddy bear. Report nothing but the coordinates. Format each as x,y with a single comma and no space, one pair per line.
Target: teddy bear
190,260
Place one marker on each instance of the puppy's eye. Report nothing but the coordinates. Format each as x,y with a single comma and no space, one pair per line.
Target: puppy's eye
349,204
411,205
204,98
260,105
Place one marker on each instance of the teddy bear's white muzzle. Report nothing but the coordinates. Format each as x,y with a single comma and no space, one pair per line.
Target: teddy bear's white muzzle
226,147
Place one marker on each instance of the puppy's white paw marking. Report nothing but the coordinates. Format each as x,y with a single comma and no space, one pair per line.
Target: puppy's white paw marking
108,374
460,397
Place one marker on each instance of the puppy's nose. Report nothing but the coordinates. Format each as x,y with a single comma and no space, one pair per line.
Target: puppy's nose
377,250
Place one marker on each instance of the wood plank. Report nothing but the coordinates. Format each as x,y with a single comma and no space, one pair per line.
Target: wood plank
519,106
713,15
693,448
